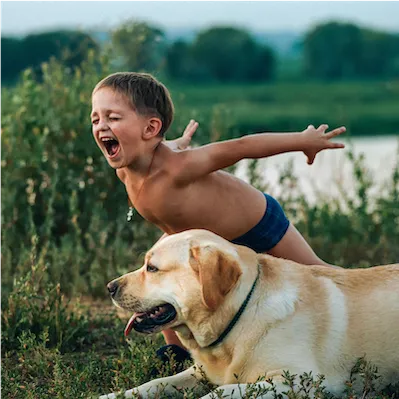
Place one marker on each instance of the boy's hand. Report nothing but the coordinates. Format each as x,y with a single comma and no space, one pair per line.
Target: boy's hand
184,141
317,140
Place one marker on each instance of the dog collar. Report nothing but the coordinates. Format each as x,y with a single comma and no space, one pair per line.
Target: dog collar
238,314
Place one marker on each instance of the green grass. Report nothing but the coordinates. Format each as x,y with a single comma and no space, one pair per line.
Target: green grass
365,108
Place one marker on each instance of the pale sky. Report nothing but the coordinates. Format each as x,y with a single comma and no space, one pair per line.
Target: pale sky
21,17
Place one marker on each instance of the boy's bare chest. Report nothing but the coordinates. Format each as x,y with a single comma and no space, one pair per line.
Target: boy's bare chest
215,203
158,202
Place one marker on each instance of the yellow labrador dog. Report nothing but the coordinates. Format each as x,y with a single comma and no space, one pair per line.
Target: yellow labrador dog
243,315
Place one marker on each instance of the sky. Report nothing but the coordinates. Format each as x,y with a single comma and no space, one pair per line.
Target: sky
23,17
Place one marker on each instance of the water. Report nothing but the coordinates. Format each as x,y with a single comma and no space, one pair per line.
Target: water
332,168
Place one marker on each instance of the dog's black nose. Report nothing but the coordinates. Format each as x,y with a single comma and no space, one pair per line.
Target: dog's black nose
113,287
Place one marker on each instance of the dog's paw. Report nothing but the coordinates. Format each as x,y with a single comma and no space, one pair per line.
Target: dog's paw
109,396
127,394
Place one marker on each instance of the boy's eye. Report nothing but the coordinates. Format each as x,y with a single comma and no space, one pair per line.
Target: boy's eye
113,118
151,269
94,122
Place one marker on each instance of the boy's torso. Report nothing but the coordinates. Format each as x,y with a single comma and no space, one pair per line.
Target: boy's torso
219,202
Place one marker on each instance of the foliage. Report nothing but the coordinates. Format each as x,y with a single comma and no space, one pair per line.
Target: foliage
64,229
365,109
38,308
329,51
358,231
13,59
341,50
139,46
231,55
57,185
32,50
179,63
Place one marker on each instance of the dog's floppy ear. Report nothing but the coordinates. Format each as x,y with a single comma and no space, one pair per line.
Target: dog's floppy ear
218,272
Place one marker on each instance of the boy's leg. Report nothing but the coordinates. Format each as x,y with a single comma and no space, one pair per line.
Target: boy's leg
171,338
294,247
173,347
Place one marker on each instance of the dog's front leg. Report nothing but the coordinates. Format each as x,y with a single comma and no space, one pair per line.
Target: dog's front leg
186,379
259,390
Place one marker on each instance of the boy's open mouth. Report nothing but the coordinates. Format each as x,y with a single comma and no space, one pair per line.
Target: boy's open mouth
111,145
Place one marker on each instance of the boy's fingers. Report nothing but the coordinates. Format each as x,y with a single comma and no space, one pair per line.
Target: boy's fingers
336,145
189,125
322,128
190,130
336,132
194,127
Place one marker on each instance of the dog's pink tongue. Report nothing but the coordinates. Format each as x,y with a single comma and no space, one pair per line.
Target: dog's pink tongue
129,324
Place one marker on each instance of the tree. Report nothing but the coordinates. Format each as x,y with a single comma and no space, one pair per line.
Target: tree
140,46
179,60
13,59
70,46
336,51
333,51
230,54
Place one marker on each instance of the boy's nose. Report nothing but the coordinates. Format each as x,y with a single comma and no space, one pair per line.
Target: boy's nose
102,126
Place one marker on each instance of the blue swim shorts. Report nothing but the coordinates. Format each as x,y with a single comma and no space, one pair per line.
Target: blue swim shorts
269,231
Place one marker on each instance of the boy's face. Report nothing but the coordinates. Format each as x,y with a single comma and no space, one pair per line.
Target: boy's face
116,127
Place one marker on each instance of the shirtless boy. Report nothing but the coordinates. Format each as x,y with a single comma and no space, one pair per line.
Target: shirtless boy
181,190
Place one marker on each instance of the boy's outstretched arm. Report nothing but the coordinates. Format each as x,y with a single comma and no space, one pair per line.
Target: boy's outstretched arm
200,161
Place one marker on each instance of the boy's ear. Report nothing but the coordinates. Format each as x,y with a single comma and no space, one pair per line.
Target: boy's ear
154,126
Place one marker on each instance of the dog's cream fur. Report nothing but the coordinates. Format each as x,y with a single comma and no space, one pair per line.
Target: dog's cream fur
299,318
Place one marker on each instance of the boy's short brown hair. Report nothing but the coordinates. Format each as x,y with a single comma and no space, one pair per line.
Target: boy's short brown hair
147,95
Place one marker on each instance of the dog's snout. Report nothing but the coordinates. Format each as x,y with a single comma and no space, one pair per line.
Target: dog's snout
113,287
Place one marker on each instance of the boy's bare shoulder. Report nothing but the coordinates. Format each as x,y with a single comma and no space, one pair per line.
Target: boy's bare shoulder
177,166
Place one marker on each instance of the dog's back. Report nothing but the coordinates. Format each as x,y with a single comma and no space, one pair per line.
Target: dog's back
368,312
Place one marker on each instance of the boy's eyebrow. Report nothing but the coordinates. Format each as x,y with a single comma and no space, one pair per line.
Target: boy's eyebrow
107,111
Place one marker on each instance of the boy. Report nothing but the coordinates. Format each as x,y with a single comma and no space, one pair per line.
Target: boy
181,190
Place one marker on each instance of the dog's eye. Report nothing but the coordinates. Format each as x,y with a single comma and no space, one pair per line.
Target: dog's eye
151,269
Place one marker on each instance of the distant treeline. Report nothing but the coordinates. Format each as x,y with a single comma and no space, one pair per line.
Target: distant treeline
32,50
331,51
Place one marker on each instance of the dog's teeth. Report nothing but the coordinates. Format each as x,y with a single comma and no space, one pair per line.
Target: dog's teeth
139,319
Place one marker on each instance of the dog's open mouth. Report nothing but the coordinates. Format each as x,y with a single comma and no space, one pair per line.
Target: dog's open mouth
111,145
150,321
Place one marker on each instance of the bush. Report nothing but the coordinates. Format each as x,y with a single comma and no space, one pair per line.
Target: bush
58,188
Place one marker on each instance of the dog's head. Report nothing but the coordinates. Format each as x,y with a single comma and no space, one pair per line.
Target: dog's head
184,280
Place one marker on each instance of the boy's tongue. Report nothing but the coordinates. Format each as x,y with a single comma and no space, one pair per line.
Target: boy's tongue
113,148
